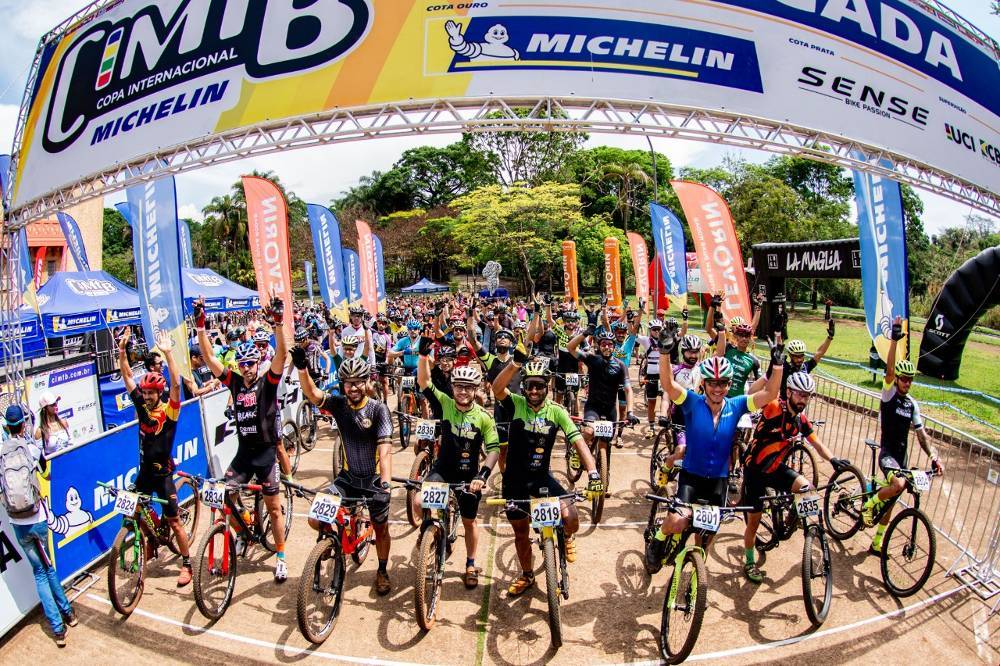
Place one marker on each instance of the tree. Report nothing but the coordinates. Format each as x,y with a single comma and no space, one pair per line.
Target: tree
377,194
227,222
528,155
117,258
825,188
919,255
435,176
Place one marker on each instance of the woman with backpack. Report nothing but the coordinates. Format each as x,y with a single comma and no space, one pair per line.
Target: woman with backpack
20,459
52,430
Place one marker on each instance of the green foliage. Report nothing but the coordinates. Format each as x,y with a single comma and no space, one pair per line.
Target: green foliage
117,247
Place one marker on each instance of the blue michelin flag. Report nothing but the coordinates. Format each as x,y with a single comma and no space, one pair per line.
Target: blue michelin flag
884,273
668,235
4,167
71,230
329,258
184,238
123,210
352,271
153,211
309,280
379,269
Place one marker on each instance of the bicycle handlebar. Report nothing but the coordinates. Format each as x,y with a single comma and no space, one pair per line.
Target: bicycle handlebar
676,504
502,501
143,497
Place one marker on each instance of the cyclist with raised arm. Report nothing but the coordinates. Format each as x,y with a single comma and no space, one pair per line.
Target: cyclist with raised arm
710,422
535,423
466,429
255,404
157,427
782,422
897,413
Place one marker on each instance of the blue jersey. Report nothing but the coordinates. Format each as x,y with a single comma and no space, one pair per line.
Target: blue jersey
709,446
623,352
410,351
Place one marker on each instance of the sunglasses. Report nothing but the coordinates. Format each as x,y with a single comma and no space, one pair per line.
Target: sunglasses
535,386
247,364
718,383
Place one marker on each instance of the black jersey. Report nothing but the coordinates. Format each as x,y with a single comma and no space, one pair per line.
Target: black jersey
360,430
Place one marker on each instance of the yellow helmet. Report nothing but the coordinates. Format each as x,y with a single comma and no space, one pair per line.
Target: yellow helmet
904,368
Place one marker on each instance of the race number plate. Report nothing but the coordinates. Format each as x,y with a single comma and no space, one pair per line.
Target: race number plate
921,482
214,494
807,506
706,518
433,495
604,429
745,422
545,512
407,382
126,503
324,508
572,380
425,429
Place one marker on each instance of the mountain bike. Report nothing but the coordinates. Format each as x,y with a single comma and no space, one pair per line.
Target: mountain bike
141,534
292,441
569,399
687,591
664,444
234,530
909,544
606,435
546,520
427,433
346,530
407,406
438,533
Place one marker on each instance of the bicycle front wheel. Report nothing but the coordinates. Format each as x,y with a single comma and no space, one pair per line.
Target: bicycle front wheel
321,591
603,461
264,518
682,615
406,409
908,550
429,573
817,575
802,459
552,590
305,420
845,497
126,568
215,572
291,439
663,446
421,465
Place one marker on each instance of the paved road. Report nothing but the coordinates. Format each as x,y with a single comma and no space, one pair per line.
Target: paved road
612,615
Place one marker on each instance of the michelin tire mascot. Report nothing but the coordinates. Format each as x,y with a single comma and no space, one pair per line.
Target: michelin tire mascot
493,48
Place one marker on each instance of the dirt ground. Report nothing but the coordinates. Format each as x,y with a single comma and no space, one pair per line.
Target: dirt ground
612,616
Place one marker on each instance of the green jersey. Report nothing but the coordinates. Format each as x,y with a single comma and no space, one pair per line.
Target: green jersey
533,434
744,364
462,436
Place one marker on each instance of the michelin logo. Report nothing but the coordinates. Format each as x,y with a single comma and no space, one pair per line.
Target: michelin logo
494,46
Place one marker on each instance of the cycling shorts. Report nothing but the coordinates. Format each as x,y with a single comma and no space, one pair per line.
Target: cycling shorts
468,503
692,488
349,485
590,414
755,481
652,387
565,364
621,396
528,488
160,485
887,463
242,470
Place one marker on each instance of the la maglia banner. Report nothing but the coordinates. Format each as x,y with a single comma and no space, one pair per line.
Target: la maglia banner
156,248
329,258
715,241
267,221
884,273
140,74
570,281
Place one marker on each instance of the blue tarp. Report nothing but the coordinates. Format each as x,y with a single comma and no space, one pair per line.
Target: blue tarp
499,293
81,301
424,286
220,294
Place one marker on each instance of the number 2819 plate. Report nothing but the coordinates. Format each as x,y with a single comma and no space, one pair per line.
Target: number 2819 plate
545,512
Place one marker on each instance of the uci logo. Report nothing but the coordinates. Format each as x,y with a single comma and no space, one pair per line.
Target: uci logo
141,48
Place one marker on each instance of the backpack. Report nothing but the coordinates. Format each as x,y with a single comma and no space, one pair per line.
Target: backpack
18,483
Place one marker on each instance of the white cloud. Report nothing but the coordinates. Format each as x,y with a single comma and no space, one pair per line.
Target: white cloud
190,211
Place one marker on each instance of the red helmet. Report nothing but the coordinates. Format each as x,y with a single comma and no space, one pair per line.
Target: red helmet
152,381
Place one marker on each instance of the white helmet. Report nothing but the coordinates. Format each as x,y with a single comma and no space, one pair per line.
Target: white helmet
803,382
469,375
655,323
690,343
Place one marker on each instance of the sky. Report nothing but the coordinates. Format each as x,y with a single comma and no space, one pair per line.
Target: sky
25,22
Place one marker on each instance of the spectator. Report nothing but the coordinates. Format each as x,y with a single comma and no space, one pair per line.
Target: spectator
53,430
20,458
201,381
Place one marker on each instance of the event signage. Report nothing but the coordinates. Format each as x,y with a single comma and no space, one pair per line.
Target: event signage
380,273
640,258
17,584
24,277
612,272
668,237
74,240
184,238
76,387
814,259
366,264
329,256
39,265
352,271
267,217
156,248
307,268
715,242
141,73
884,273
570,281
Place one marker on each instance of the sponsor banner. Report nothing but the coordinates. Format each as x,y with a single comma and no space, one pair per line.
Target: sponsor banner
145,73
570,280
660,300
717,246
4,168
613,272
640,259
380,273
156,249
76,387
668,236
123,210
818,259
39,265
366,264
352,272
695,283
267,217
308,270
29,294
116,405
74,240
82,521
329,257
184,238
18,595
884,274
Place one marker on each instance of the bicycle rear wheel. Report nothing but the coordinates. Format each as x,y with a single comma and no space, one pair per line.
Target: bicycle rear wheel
603,461
321,591
336,446
215,572
772,522
264,518
421,465
305,420
292,441
817,575
908,551
429,574
663,445
188,513
681,621
406,409
845,496
362,524
552,591
126,568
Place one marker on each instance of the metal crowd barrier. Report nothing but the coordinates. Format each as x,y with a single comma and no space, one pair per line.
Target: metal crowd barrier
964,506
